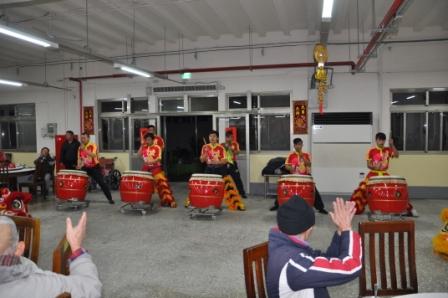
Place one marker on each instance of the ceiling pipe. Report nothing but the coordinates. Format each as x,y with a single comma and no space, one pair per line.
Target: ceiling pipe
379,34
351,64
164,73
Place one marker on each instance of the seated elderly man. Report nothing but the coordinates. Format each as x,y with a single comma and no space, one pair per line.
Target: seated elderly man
294,268
20,277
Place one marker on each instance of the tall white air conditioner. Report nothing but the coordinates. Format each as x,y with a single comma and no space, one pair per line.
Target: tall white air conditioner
339,145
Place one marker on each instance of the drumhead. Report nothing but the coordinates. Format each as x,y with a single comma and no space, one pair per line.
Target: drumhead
141,174
72,172
387,179
206,177
296,178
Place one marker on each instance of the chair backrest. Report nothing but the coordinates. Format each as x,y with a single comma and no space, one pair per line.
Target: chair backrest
61,254
384,251
255,265
4,169
29,232
64,295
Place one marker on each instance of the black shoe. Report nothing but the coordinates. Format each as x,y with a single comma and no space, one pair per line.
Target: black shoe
323,211
273,208
111,202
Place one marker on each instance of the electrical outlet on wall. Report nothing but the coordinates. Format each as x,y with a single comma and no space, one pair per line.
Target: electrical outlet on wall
362,175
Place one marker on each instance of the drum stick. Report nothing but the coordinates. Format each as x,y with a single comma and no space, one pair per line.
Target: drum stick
205,142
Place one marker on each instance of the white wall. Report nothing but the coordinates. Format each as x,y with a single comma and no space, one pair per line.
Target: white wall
398,66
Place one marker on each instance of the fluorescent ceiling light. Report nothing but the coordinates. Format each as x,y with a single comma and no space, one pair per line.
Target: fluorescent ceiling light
410,97
11,83
327,9
394,102
438,89
27,37
133,70
180,107
237,102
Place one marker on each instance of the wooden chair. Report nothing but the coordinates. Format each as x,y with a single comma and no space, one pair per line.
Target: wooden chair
256,256
61,254
37,181
64,295
382,235
4,175
29,232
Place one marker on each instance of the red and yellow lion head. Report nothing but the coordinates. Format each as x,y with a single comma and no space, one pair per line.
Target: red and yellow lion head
14,203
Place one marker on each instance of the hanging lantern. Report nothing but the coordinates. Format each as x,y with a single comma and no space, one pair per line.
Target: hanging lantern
321,57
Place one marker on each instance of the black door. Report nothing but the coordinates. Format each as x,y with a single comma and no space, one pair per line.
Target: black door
184,137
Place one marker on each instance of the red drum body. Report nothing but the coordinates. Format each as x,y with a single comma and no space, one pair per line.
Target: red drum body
71,185
301,185
387,194
206,190
136,187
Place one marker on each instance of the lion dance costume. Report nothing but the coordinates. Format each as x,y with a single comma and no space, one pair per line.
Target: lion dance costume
378,156
152,155
14,203
440,241
232,197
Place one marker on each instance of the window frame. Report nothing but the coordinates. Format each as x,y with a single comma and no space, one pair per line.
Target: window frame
15,119
107,115
426,108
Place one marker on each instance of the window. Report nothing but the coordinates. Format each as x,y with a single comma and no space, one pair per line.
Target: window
271,101
113,106
273,132
139,104
18,127
409,98
203,104
171,104
418,120
237,102
114,134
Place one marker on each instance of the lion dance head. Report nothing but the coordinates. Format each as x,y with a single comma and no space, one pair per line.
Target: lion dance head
14,203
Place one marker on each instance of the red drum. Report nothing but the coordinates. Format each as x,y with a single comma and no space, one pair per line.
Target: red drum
136,187
388,194
71,185
206,190
301,185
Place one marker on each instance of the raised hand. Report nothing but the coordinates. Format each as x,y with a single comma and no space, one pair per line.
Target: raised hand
75,235
342,215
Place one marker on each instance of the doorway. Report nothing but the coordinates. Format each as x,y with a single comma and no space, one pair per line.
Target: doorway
184,137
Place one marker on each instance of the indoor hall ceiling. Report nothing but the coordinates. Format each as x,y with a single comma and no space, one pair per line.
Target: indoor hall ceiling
114,25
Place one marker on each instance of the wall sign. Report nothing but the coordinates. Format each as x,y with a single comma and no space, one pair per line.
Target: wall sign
300,117
88,120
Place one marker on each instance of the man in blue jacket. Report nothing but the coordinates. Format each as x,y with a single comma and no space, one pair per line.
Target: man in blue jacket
294,268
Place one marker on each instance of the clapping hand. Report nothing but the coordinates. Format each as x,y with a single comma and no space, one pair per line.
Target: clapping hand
342,215
75,235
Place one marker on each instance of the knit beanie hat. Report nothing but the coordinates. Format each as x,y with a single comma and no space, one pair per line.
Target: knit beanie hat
295,216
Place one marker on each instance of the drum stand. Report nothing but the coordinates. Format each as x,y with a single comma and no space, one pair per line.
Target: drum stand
210,212
71,204
139,207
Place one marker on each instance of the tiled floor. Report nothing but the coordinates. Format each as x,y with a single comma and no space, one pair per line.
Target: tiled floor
166,254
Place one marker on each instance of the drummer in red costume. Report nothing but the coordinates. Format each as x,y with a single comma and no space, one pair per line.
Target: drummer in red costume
88,162
152,156
299,162
378,164
214,155
158,140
